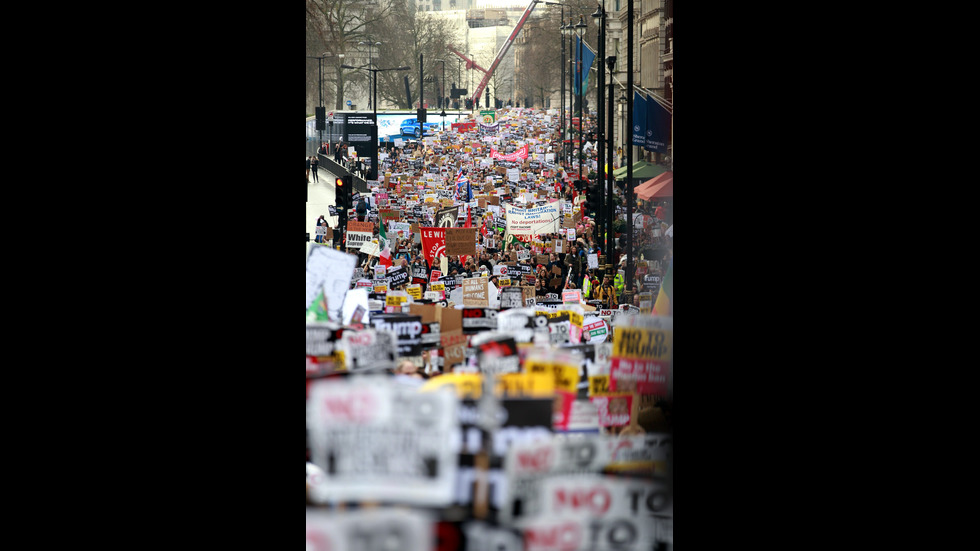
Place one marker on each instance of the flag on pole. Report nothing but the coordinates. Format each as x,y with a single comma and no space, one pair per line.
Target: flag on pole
385,259
469,224
587,56
639,119
662,306
460,180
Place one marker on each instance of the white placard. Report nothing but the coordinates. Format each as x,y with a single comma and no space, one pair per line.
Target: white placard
378,528
377,440
330,270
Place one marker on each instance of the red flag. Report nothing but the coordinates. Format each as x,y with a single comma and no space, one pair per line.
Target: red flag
469,224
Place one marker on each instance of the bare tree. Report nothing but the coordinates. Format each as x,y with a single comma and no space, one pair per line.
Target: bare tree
334,27
409,33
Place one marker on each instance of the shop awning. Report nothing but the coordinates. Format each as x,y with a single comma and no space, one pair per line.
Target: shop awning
659,186
642,170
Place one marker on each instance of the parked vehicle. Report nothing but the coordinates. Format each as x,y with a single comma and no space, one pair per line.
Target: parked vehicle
411,127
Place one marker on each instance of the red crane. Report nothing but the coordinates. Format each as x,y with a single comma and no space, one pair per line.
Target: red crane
487,73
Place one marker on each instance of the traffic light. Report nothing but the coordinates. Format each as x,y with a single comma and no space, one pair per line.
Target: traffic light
321,118
593,198
340,195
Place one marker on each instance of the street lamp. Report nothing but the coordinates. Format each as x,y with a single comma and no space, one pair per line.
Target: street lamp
320,59
566,134
443,115
580,31
622,119
562,118
443,90
370,44
600,19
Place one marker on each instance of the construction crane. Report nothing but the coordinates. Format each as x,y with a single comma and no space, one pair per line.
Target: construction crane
487,73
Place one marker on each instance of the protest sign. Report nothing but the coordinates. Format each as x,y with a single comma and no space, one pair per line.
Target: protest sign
642,354
406,328
433,244
543,219
377,440
398,277
358,233
369,529
475,292
446,218
329,271
529,465
461,241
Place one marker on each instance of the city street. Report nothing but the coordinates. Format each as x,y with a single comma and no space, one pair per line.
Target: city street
321,196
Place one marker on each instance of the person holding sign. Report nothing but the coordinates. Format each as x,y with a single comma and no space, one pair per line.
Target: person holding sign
607,294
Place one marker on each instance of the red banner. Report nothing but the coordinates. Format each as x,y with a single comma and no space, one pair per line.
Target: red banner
518,155
433,244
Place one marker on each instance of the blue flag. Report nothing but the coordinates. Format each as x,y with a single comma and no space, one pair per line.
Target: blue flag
588,56
658,127
639,119
469,191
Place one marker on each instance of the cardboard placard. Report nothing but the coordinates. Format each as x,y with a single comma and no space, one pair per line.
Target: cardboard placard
475,292
461,241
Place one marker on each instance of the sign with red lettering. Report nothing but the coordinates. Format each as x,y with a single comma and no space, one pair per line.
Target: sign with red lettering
377,440
642,355
433,244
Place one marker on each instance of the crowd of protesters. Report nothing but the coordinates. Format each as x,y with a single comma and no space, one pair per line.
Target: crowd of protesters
566,269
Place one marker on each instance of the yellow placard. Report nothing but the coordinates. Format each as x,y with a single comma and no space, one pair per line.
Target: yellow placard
395,300
599,385
527,385
642,343
380,288
415,291
437,287
503,282
469,386
565,376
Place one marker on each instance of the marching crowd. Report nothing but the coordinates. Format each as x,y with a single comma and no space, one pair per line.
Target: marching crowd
566,268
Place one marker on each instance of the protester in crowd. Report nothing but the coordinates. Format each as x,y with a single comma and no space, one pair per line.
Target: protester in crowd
607,294
322,222
308,163
361,209
314,163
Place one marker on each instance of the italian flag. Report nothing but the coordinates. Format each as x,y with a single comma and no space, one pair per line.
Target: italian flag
386,252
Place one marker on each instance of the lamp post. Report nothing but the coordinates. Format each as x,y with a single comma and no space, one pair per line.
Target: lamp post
566,130
373,172
443,115
629,152
370,44
600,18
580,31
320,59
442,92
562,6
611,63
